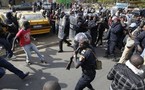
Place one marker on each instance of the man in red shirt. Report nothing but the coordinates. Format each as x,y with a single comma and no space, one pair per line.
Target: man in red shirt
25,42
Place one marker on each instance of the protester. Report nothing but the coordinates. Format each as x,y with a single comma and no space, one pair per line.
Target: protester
130,46
128,76
26,44
116,32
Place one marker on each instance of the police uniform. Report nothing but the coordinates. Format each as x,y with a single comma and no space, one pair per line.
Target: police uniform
88,69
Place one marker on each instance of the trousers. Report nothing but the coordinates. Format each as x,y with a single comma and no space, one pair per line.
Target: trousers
7,65
85,81
63,40
125,54
27,49
111,47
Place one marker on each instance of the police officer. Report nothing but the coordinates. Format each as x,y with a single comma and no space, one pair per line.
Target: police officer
87,62
66,33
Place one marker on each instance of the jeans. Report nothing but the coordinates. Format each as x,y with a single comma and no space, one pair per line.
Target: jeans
5,64
27,49
111,47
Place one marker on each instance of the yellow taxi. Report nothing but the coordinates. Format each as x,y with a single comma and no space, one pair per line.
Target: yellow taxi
39,24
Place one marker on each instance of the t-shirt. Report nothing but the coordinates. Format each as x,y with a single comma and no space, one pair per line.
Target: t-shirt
24,37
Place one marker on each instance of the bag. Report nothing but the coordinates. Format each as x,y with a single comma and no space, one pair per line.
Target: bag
98,65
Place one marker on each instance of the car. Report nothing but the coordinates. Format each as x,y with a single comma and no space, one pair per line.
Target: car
23,6
39,24
46,5
121,4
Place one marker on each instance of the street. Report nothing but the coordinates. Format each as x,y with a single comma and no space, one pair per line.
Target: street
115,25
54,70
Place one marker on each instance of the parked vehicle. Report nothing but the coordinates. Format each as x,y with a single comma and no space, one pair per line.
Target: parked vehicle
39,24
46,5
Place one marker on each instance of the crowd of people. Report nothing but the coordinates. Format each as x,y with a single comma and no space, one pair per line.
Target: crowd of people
88,29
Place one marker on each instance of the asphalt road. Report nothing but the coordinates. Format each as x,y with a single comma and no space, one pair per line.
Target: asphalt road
54,70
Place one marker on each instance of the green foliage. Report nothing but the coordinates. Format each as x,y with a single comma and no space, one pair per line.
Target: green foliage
141,5
106,1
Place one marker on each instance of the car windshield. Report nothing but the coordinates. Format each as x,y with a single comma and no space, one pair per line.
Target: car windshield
33,16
